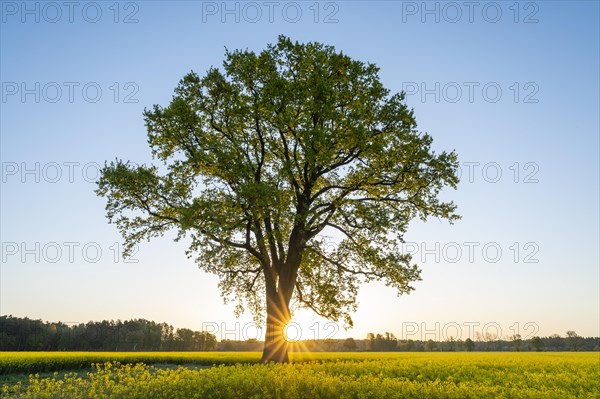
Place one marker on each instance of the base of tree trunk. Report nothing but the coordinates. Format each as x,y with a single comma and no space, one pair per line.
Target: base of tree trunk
276,345
276,354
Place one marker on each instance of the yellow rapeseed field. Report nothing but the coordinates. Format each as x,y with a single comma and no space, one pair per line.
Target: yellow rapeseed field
311,375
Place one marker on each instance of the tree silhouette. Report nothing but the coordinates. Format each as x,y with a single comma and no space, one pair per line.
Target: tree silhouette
265,160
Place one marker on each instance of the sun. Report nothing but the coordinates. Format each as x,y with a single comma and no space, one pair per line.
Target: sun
292,332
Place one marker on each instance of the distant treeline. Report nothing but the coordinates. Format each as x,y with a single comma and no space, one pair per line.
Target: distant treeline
389,343
23,334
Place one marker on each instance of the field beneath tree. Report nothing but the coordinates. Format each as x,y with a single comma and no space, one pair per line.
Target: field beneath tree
329,375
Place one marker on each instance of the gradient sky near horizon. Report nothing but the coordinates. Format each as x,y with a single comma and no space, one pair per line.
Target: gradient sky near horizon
513,87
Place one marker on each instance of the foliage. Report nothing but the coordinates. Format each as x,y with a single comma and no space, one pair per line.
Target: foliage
24,334
266,159
378,343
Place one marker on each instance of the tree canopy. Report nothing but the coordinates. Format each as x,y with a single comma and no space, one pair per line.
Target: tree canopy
295,174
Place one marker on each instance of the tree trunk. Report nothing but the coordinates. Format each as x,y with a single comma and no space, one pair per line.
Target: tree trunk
276,345
278,303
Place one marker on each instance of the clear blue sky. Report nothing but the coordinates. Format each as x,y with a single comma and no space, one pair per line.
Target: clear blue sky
517,94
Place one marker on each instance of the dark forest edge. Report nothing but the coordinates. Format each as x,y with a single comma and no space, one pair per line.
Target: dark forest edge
24,334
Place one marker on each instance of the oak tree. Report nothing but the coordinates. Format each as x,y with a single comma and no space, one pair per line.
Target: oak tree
294,173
